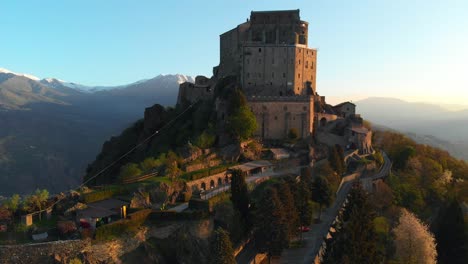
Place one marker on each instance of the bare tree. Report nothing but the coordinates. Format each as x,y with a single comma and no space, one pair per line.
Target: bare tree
414,242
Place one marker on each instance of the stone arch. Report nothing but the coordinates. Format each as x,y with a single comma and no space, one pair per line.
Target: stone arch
323,122
203,186
220,181
212,184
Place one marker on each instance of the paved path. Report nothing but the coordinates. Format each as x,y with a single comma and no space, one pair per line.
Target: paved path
314,238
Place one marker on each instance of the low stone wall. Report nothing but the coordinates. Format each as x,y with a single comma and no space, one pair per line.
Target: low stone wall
48,252
217,180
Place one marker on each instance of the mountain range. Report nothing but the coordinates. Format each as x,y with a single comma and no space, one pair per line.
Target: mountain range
51,129
426,123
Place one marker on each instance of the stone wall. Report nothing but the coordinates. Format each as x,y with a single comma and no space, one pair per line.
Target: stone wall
49,252
192,92
277,115
216,180
278,70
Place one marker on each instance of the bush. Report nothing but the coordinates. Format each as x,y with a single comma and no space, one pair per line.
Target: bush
293,134
114,230
169,215
130,170
205,140
103,194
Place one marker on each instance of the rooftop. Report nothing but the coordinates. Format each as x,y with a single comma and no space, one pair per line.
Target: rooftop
252,165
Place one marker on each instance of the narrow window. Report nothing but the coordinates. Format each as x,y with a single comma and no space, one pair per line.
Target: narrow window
284,75
272,75
299,75
299,62
259,49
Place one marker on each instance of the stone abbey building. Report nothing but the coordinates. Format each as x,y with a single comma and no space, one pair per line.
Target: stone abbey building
270,58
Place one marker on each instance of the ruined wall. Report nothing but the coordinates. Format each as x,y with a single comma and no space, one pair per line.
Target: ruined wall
49,252
277,115
202,89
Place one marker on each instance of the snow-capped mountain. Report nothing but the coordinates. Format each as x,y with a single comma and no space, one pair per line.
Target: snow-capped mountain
58,84
66,124
29,76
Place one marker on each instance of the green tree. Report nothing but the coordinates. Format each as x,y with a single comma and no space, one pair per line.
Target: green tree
304,205
13,203
172,165
221,251
336,159
270,231
236,100
242,123
402,155
130,170
240,196
356,241
289,207
205,140
452,241
37,201
321,192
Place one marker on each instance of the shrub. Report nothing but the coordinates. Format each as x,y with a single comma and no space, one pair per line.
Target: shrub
293,134
130,170
103,194
169,215
114,230
205,140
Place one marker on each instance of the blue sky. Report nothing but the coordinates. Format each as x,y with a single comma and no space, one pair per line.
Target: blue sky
416,50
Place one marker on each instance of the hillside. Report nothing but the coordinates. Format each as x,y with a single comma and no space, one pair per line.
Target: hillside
426,123
34,111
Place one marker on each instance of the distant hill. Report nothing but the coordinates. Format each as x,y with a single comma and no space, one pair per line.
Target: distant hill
425,123
50,130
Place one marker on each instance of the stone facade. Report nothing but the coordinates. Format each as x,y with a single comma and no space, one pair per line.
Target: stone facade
277,115
345,109
270,55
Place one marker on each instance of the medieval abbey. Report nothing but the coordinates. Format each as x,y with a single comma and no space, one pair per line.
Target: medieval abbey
269,57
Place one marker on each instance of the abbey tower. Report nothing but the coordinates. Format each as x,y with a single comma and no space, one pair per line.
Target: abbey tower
270,55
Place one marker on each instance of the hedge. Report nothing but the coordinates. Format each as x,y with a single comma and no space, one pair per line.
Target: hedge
192,176
208,205
115,229
103,194
170,215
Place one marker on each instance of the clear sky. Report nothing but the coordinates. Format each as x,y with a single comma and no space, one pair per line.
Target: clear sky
411,49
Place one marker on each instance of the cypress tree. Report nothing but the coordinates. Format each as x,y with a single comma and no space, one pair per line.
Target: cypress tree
221,248
270,231
240,196
452,246
356,242
321,192
290,210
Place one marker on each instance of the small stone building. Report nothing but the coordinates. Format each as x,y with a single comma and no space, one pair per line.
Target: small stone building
345,109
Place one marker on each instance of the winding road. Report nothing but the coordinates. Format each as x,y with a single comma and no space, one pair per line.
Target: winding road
314,238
